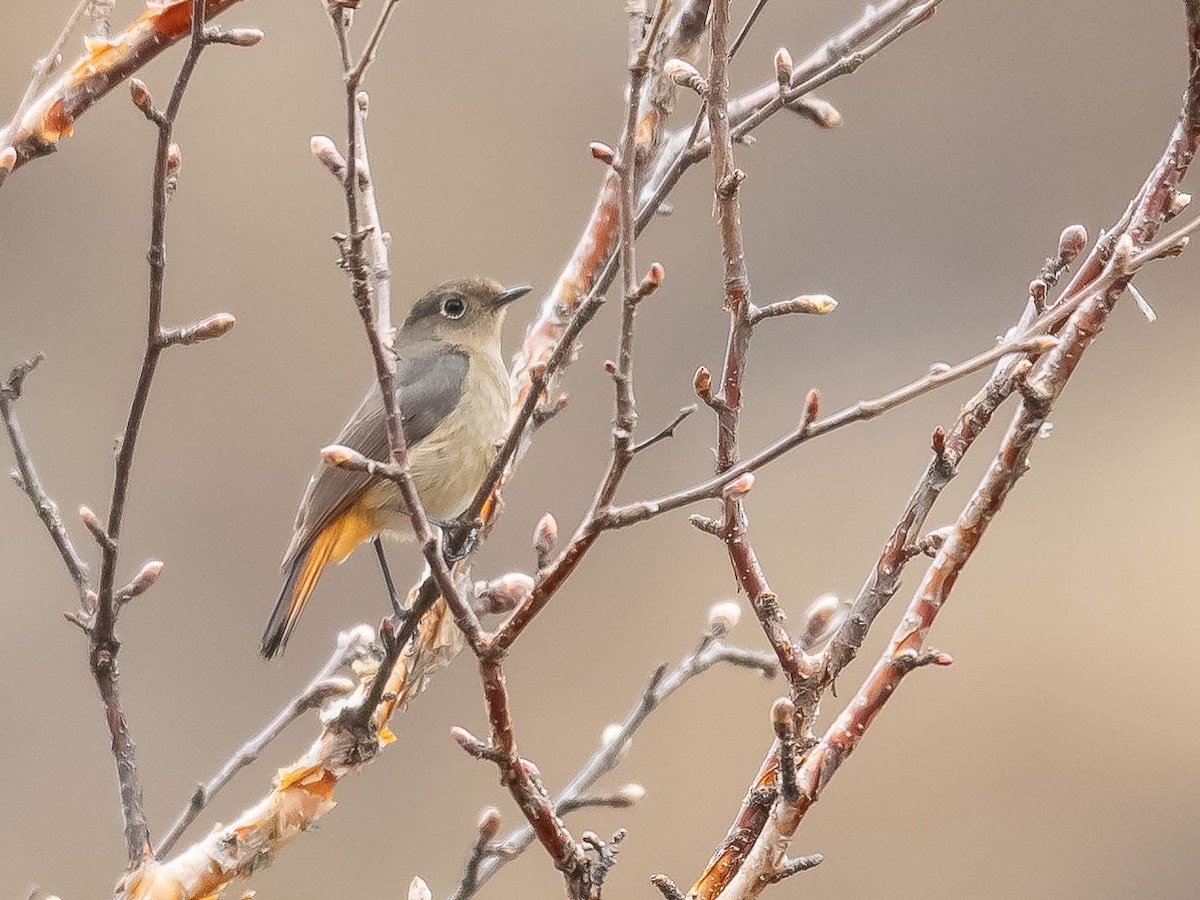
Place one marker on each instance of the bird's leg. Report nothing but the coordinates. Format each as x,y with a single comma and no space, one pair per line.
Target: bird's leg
399,610
459,538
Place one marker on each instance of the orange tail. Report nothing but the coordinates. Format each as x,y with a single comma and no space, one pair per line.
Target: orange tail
333,543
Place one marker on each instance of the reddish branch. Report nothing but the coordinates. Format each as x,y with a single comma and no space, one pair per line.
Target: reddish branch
105,64
745,869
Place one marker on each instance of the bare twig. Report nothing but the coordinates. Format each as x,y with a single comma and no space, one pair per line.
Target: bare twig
711,651
360,269
714,488
104,645
1098,284
322,688
27,479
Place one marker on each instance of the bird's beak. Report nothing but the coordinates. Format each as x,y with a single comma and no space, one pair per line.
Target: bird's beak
509,294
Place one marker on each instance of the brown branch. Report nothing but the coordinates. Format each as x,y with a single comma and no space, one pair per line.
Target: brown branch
806,430
370,279
1113,258
104,65
320,690
104,645
27,479
711,651
361,270
43,68
303,791
727,403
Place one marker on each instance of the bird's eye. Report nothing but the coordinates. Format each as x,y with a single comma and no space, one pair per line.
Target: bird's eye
453,307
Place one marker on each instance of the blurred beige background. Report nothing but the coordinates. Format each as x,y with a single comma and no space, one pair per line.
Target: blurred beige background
1057,758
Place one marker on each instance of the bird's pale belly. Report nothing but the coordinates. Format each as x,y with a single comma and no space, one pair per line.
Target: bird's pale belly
450,463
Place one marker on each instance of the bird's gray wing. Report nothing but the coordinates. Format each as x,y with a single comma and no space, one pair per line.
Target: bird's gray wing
429,383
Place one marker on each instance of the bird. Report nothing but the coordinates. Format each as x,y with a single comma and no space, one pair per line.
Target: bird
453,393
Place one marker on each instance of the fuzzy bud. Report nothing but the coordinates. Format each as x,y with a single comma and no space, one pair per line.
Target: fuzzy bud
783,717
938,441
89,518
468,741
723,617
1122,254
611,734
140,95
1037,292
8,159
628,795
545,539
339,456
783,68
652,281
1179,203
739,487
1071,243
822,618
213,327
684,74
240,37
805,304
174,160
144,580
818,111
812,406
419,890
504,594
325,151
489,824
602,152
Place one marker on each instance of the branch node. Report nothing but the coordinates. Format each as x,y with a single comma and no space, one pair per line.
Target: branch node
727,187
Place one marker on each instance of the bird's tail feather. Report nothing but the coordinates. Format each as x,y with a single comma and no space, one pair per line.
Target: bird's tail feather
333,543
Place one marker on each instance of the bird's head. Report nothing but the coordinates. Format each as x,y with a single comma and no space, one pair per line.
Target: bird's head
467,312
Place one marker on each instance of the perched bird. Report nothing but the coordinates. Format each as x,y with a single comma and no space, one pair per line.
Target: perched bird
452,389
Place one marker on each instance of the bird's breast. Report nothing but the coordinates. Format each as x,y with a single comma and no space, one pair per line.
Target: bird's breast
449,464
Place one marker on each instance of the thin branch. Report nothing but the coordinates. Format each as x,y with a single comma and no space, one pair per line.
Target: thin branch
714,488
104,645
667,432
360,270
1110,263
105,64
30,483
320,690
711,651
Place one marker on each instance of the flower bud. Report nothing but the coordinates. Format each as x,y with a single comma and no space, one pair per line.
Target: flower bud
611,734
602,152
1071,243
419,890
489,824
144,579
140,95
822,618
338,456
723,617
783,716
739,487
628,795
545,539
783,68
